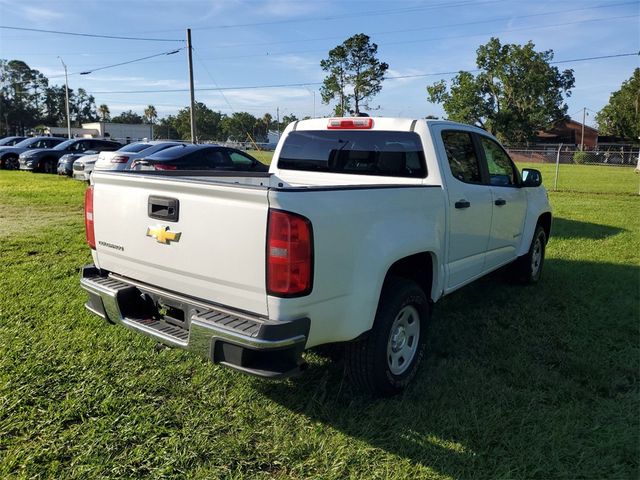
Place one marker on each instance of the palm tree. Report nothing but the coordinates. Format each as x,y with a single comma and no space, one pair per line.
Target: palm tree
151,114
103,110
267,119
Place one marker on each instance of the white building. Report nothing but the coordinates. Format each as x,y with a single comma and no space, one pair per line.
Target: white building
122,132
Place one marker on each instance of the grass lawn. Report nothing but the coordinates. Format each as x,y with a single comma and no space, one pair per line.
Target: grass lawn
536,382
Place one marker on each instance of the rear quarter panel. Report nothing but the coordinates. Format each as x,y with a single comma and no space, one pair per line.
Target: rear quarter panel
358,235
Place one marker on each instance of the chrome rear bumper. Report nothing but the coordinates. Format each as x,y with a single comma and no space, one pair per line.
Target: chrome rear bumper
242,341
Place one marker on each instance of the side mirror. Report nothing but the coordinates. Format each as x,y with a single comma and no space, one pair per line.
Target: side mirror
531,177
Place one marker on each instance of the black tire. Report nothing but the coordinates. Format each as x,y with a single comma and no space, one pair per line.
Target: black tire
48,165
367,358
11,163
527,269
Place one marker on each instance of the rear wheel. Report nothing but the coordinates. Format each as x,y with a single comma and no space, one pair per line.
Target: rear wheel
48,165
11,162
385,360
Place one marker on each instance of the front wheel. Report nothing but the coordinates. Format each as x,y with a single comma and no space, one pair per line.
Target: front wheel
385,360
528,268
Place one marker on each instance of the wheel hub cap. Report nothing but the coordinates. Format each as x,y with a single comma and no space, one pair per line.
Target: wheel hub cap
404,338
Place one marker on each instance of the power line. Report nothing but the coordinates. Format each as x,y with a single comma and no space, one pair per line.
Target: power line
433,27
172,52
432,39
306,84
370,13
93,35
87,72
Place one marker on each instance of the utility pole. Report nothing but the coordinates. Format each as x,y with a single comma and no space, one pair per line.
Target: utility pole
66,91
278,121
584,114
193,101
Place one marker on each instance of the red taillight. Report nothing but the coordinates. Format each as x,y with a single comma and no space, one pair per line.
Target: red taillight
88,217
289,254
120,159
160,166
350,123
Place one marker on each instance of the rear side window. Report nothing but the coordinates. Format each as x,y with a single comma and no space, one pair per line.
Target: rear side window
393,154
462,157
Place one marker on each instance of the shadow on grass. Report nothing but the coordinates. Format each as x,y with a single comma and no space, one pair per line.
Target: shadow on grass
565,228
517,381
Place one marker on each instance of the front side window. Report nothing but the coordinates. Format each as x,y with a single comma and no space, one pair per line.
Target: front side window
502,172
462,157
384,153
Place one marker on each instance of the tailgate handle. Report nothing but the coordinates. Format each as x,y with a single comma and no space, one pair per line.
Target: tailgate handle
164,208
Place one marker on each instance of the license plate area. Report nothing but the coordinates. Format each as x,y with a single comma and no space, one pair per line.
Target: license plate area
173,313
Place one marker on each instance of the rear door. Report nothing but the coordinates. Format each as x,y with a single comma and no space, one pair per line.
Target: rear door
470,207
509,204
213,249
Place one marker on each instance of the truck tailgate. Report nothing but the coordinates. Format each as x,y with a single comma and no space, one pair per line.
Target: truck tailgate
219,255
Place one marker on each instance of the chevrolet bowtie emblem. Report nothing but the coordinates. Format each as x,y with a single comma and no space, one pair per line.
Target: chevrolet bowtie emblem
162,234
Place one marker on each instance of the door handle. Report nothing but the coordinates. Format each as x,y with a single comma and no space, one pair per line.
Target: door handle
500,202
462,204
163,208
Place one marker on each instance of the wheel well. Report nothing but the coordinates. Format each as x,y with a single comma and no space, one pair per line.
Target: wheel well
418,267
545,222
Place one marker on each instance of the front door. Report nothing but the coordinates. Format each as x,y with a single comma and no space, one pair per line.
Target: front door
509,205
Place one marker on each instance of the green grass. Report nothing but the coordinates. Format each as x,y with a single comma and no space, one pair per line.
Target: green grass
262,155
519,382
589,178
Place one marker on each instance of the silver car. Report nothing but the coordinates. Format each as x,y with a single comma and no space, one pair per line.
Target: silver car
121,159
83,166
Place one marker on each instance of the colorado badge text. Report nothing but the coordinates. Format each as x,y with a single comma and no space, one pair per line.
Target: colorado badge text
162,234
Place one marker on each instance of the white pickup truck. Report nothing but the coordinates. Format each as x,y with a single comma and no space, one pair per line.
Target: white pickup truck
358,227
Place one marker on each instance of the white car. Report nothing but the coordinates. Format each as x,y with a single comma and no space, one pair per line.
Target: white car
83,166
121,159
360,225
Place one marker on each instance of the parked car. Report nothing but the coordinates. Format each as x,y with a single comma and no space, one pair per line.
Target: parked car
9,154
360,225
123,158
10,141
83,166
46,160
65,164
200,157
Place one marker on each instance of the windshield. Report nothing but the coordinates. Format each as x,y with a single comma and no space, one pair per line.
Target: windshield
134,147
393,154
26,143
64,145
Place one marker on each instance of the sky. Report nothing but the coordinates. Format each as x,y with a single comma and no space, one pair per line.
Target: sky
251,43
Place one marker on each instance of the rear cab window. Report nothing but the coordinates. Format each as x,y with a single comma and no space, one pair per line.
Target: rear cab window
382,153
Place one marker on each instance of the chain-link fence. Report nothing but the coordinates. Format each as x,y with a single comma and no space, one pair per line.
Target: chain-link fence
612,169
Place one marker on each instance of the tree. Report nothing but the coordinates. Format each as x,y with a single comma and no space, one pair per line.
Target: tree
515,94
128,116
104,112
84,107
237,126
150,114
621,116
355,74
165,128
208,123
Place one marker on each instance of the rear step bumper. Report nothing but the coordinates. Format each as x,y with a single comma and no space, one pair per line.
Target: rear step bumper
242,341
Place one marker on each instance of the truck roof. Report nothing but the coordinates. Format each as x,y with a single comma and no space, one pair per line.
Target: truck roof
378,123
